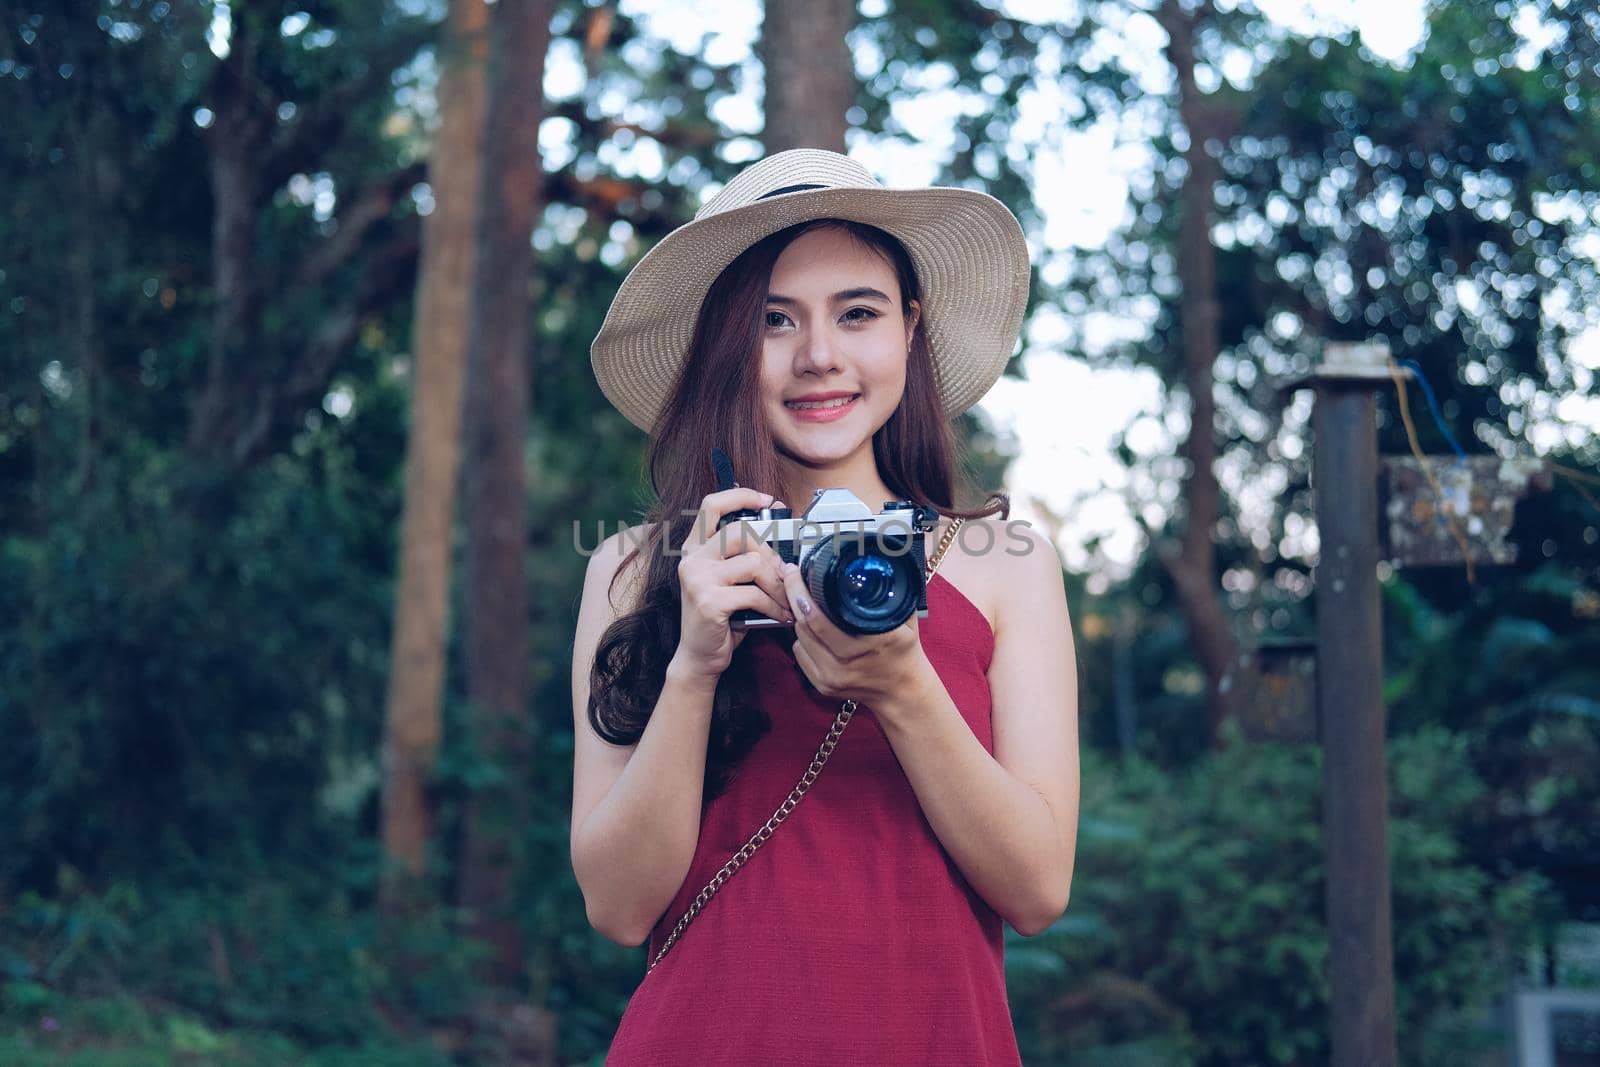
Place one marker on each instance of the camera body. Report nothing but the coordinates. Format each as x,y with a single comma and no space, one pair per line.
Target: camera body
864,570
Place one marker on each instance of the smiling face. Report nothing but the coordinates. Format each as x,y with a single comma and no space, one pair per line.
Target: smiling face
833,349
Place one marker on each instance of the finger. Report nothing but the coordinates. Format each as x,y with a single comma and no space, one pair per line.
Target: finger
762,568
814,624
741,535
808,666
740,597
771,578
815,667
737,570
796,589
714,506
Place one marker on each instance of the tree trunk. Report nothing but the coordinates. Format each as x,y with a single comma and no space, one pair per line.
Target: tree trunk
495,613
236,143
809,77
417,658
87,244
257,390
1193,565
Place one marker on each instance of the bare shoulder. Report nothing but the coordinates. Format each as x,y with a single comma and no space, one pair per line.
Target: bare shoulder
1011,569
991,559
608,558
1029,572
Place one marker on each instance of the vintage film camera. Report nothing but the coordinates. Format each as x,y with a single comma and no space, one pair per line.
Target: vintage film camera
863,570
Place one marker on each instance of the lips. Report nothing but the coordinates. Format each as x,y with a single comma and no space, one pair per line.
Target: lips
823,410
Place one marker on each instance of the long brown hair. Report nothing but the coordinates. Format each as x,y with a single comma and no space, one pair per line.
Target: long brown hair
716,403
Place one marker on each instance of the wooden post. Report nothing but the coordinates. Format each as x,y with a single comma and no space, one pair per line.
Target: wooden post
1350,704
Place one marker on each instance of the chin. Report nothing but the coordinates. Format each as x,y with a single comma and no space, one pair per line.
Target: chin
814,455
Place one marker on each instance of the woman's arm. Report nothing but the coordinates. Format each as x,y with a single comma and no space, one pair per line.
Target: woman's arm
636,809
1008,820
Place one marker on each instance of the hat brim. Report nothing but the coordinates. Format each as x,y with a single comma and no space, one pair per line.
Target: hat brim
968,250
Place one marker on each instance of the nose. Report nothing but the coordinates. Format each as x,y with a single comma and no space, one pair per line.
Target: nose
817,353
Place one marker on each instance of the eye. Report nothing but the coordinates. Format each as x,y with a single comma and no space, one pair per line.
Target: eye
775,320
860,314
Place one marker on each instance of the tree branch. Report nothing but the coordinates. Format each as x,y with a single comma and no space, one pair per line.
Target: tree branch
279,412
604,197
683,138
366,209
297,144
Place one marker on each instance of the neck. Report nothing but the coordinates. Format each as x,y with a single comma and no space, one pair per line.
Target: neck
858,473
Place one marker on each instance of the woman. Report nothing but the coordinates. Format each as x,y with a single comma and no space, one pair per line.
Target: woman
822,330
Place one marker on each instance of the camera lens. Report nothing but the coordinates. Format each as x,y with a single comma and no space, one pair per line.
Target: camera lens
867,585
869,582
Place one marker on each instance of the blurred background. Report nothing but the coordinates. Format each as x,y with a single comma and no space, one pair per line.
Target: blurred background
298,439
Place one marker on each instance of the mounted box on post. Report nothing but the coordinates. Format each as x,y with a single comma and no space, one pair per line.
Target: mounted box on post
1479,500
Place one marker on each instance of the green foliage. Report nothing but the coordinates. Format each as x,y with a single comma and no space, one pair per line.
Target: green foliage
1196,933
126,1031
1526,720
284,952
156,721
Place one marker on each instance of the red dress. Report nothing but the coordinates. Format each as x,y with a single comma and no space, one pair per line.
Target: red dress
850,937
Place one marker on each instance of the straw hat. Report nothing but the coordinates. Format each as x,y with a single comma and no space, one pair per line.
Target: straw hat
968,250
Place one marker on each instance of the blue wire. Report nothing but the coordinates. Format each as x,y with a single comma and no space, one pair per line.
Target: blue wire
1433,405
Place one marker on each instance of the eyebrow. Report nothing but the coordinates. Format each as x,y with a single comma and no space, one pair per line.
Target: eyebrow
842,295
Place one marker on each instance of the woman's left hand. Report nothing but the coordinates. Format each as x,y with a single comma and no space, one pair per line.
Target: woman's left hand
870,669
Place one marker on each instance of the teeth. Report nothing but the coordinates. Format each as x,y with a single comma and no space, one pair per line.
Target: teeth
810,404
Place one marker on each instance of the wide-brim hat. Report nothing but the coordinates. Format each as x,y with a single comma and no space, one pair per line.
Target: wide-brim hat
967,248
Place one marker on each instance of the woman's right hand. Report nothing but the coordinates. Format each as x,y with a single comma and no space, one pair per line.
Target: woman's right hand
715,569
